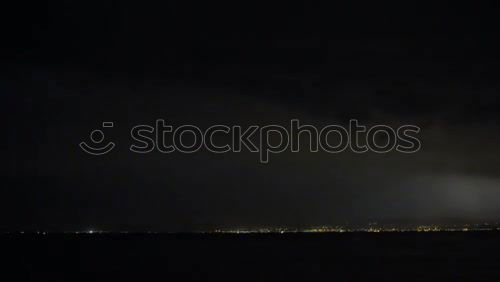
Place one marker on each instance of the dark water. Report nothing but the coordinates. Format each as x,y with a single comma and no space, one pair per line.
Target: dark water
460,256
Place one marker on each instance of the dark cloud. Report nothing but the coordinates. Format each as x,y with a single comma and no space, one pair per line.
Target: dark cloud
134,64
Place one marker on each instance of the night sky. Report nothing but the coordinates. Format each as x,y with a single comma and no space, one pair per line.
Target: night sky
131,63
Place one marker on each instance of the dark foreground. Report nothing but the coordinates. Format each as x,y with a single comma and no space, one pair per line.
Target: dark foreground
447,256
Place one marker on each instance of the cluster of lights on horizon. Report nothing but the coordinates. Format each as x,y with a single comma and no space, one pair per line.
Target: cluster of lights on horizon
371,228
